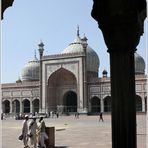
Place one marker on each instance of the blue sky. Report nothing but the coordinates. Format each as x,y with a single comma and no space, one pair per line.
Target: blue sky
55,23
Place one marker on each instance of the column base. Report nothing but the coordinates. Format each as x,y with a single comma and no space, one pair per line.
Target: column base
83,111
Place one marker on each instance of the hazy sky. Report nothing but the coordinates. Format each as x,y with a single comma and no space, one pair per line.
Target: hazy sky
55,23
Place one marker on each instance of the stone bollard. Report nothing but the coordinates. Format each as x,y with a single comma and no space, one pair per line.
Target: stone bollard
50,142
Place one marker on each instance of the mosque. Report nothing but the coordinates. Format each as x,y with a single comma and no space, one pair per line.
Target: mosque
67,82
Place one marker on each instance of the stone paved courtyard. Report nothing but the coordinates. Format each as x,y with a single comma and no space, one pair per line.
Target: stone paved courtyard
85,132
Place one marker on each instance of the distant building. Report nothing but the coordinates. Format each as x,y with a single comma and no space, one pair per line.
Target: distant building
70,83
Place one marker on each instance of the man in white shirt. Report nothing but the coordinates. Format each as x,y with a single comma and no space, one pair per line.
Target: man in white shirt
42,134
32,132
25,131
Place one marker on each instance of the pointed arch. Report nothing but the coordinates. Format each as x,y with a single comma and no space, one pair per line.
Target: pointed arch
62,76
70,101
35,105
107,104
95,105
26,106
145,101
138,103
6,106
15,106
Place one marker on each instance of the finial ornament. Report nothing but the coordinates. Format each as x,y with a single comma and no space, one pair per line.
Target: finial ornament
85,38
78,31
34,53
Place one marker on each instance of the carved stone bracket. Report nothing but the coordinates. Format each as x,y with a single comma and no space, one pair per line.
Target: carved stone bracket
5,4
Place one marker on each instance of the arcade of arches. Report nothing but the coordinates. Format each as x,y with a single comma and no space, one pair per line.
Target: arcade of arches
106,107
68,103
26,106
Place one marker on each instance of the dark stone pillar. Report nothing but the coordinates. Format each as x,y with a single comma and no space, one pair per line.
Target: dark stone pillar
123,100
121,23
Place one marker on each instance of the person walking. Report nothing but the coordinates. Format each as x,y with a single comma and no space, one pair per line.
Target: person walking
101,117
32,132
25,132
42,136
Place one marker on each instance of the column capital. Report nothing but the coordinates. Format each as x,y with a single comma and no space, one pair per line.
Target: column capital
120,22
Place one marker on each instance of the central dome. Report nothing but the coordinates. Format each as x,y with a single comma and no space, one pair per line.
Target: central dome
92,57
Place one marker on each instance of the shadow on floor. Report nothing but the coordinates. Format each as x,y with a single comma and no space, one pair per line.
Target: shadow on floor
60,147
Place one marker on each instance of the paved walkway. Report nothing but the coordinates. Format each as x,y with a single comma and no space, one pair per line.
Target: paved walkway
85,132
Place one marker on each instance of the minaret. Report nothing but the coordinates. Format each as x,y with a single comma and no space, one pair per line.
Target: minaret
41,50
85,98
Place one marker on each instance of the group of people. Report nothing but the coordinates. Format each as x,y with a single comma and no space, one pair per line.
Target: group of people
34,134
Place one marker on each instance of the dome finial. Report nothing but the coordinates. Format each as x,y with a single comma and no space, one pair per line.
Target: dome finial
78,31
85,38
35,54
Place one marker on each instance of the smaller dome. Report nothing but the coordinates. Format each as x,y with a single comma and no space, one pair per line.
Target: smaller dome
19,80
139,64
104,72
30,72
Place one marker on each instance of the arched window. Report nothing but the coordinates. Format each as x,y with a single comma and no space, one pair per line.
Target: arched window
6,106
35,104
15,106
107,104
26,106
145,104
70,102
95,105
138,103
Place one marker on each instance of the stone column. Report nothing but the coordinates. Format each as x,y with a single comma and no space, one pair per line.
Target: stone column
31,106
143,104
21,109
102,105
10,105
123,100
121,23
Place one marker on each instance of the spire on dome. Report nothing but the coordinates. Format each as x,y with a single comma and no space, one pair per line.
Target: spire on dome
78,31
35,54
84,38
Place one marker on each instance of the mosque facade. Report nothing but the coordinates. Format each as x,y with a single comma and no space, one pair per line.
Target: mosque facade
68,82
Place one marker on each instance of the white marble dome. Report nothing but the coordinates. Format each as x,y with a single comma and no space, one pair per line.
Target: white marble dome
93,61
139,64
30,72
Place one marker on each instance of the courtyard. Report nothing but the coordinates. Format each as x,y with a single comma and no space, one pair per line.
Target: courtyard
85,132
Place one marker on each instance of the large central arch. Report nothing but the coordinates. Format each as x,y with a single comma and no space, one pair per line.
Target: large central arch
59,82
